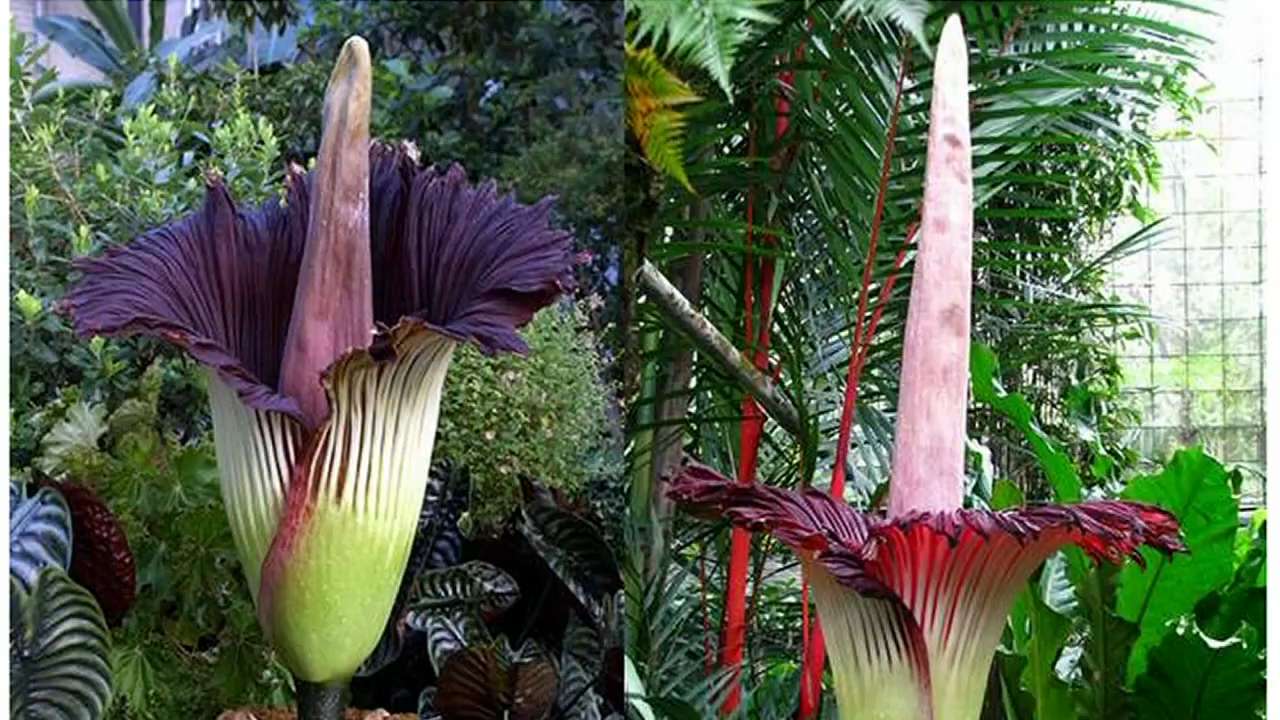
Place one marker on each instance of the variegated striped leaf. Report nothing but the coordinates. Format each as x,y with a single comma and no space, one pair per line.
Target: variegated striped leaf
475,585
58,650
447,634
572,548
39,534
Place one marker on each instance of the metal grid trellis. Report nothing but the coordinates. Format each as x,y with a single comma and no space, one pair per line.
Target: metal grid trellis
1200,380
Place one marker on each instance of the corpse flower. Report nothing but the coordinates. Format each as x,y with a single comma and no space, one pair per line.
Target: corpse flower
913,601
326,325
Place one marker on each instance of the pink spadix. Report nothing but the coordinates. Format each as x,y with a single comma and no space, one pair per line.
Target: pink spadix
928,454
333,304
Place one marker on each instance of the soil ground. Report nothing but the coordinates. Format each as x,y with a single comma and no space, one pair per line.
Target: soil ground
260,713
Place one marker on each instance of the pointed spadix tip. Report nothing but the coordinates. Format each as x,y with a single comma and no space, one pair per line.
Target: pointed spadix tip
354,66
952,47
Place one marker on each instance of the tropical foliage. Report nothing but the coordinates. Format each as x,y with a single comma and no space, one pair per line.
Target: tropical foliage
806,188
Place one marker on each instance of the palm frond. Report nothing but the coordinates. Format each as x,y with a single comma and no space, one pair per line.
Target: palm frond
706,33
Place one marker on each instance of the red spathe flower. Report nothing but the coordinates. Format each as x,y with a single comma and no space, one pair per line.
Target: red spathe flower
913,601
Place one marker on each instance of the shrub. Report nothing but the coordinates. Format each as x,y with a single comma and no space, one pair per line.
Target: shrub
542,415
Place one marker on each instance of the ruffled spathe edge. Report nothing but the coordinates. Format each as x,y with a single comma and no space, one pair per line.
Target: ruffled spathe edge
846,541
448,257
245,264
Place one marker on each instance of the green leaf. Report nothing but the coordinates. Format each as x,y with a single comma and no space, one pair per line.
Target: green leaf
1190,676
58,650
113,16
1015,701
1005,495
906,14
28,305
135,676
634,688
706,33
1221,614
155,17
1196,489
75,434
653,93
1039,634
1058,468
1102,695
39,534
81,39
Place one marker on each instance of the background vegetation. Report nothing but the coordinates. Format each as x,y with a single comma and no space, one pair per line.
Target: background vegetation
525,93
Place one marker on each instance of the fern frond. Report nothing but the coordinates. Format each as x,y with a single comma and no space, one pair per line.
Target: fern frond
706,33
909,15
653,94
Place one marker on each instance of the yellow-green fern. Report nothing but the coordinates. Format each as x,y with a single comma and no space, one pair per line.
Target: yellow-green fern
653,95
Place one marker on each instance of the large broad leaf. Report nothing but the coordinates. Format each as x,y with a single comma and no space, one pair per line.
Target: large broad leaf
39,534
491,682
1242,602
576,698
83,40
1102,693
1197,489
573,548
1038,634
1190,676
58,651
581,660
1058,468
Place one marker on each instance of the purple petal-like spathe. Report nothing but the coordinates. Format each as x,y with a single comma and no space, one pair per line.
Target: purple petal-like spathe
447,256
218,283
468,262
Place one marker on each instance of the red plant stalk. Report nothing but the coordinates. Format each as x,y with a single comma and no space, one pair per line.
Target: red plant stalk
734,641
814,646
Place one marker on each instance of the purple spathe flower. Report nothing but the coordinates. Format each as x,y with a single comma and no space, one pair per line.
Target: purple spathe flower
322,504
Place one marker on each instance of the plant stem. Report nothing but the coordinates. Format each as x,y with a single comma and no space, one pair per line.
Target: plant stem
718,348
319,702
